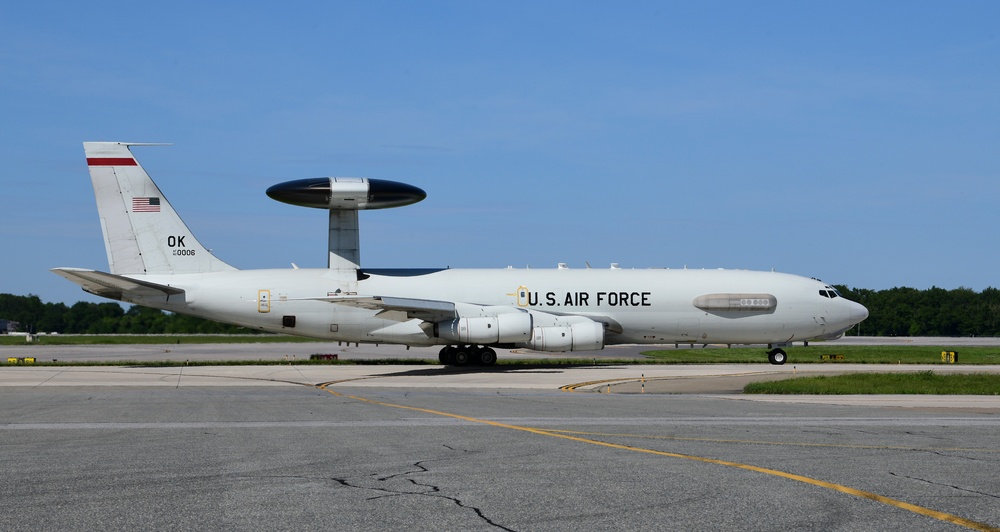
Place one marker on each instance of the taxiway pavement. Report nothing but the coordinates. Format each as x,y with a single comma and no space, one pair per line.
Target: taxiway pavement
182,351
431,448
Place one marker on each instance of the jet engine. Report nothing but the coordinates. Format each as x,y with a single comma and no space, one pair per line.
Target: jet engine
507,328
533,330
584,336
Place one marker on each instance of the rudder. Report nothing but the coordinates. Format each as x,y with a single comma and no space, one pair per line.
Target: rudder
142,232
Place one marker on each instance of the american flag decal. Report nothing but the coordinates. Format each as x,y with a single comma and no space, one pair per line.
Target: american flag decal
145,204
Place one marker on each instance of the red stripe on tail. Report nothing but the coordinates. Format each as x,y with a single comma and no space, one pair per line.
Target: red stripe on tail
111,161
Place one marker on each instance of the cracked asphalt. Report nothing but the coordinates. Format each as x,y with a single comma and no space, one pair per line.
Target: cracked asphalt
166,453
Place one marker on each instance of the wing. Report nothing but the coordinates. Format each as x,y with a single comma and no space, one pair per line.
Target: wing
115,286
434,311
428,310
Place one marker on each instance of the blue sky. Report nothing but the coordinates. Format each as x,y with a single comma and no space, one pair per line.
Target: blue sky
854,142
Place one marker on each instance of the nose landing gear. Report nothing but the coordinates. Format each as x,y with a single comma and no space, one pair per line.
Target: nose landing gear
464,355
777,356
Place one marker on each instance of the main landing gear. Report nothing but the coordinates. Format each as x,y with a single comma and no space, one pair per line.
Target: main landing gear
463,355
777,356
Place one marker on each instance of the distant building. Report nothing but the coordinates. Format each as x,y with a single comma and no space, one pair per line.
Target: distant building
9,326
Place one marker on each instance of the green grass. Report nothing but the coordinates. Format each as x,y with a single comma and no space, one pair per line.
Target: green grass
876,354
197,363
116,339
925,382
501,365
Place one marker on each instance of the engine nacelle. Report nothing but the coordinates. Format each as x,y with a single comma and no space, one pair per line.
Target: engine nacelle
506,328
586,336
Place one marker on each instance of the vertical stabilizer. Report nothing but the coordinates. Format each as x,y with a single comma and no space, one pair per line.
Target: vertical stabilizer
142,232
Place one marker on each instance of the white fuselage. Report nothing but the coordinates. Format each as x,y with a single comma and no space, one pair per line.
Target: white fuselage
651,306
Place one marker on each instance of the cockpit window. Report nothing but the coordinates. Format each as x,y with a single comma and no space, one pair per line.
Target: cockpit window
830,292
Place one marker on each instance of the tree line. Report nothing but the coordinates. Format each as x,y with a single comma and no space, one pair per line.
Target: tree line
83,317
906,311
894,312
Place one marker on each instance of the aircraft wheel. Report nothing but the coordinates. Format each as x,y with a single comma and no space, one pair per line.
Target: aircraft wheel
447,355
461,356
777,357
487,356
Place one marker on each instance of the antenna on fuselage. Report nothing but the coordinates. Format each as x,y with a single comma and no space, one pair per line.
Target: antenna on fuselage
344,197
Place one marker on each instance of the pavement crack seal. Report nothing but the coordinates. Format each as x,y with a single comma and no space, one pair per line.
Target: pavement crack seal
952,486
58,373
421,490
577,386
920,510
450,448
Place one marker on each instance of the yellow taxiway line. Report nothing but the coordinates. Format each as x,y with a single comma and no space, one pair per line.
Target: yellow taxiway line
942,516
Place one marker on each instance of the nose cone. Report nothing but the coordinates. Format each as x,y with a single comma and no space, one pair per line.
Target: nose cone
858,313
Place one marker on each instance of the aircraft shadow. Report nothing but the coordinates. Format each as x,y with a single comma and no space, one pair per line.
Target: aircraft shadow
500,369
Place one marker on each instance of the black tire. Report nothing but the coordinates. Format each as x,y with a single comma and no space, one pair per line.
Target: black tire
447,355
777,357
461,356
487,357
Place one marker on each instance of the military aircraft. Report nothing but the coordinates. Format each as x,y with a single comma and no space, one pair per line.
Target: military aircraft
155,261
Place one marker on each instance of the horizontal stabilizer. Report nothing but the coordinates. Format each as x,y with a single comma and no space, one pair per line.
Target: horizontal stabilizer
115,286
